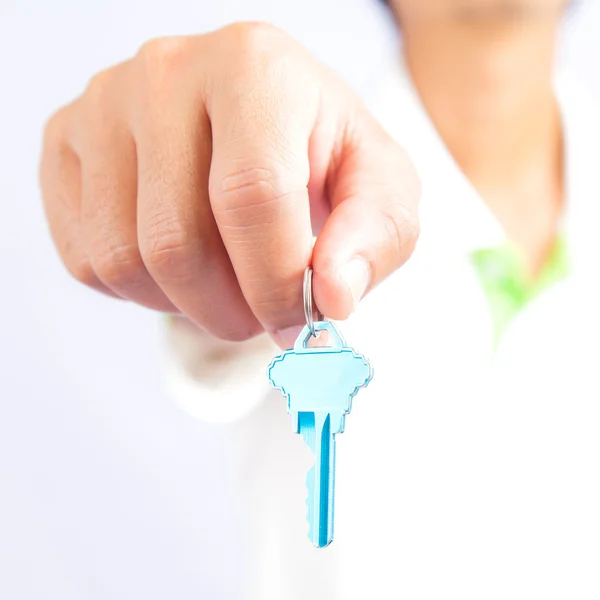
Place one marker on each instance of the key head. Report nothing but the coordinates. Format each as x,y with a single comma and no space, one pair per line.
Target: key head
323,378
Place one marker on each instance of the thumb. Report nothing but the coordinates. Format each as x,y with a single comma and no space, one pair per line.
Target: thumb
373,226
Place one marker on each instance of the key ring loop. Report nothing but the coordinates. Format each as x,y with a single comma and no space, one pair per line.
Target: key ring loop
309,309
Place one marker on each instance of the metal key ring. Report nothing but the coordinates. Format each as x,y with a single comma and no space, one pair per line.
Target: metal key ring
309,309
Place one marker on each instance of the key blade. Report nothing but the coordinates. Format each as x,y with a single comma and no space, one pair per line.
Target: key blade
306,427
319,436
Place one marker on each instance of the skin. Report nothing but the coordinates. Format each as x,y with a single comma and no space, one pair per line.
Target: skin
475,13
192,177
484,70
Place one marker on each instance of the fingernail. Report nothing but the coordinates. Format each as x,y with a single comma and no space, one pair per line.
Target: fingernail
285,338
357,276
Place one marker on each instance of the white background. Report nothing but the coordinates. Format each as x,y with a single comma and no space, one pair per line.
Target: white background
93,456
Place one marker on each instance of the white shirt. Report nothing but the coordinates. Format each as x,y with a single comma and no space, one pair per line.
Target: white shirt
462,473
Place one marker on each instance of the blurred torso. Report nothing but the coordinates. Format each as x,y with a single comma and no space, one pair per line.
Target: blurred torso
464,471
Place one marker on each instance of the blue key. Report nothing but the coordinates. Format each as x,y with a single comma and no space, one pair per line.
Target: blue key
319,384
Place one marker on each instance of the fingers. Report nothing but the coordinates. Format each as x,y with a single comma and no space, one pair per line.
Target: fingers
373,227
189,180
179,240
259,176
109,204
60,180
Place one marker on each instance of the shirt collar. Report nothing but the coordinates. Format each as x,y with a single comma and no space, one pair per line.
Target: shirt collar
452,211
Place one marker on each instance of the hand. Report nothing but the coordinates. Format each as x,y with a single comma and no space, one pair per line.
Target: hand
190,179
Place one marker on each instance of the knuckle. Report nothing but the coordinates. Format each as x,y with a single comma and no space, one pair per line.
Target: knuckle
403,229
80,269
94,111
274,304
413,231
97,87
254,36
257,49
120,266
160,57
54,131
235,335
244,187
171,252
409,209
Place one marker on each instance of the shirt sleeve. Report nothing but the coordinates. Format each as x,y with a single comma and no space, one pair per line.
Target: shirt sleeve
214,380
